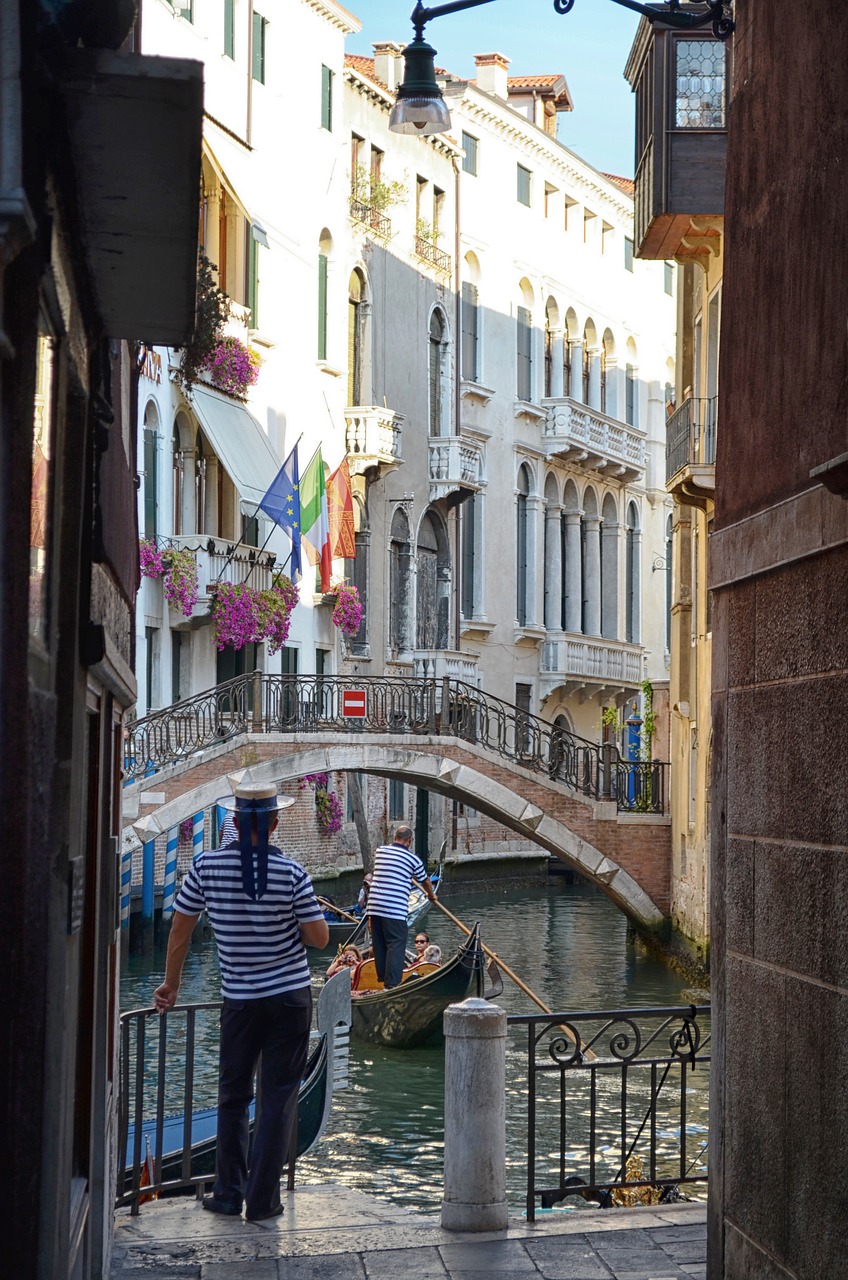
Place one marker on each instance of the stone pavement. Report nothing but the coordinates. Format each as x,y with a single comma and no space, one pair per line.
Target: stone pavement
335,1233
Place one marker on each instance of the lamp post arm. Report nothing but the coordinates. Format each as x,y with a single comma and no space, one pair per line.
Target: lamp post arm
421,15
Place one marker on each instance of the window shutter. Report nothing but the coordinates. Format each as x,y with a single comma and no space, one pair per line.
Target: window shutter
258,69
630,401
469,332
229,29
525,354
252,278
521,540
467,584
150,483
322,306
326,98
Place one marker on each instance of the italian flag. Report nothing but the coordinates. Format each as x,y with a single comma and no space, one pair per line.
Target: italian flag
314,524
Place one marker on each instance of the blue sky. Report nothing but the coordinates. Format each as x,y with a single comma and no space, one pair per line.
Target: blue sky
589,46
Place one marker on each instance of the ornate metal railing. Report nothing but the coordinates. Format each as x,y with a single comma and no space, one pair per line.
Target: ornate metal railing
617,1104
370,217
261,703
691,435
431,253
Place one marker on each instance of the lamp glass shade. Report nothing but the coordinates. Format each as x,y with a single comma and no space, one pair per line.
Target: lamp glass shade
421,114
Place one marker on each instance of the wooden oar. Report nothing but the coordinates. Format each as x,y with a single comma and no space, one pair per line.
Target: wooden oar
331,906
515,978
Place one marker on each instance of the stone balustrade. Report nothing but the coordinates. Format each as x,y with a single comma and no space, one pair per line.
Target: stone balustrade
373,438
587,438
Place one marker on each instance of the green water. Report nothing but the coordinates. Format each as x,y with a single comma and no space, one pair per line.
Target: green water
385,1133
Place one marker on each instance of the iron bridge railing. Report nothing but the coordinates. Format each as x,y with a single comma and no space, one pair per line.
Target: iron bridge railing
261,703
617,1104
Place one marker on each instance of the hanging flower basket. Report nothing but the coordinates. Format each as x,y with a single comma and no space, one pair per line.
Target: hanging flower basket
347,614
178,567
243,615
232,366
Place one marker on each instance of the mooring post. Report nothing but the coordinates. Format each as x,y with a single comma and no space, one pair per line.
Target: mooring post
475,1117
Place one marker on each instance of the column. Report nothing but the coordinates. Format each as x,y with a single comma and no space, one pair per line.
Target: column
595,377
573,576
212,247
576,390
553,569
366,393
593,576
188,524
557,390
210,511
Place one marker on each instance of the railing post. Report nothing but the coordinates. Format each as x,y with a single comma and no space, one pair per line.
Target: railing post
257,702
147,870
475,1117
606,771
445,707
169,883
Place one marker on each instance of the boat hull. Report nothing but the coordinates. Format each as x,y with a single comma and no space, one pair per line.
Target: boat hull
410,1015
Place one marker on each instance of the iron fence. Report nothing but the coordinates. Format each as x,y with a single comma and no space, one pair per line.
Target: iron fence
617,1104
446,707
691,435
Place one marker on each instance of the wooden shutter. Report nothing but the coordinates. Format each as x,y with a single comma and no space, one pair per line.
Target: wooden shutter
524,354
326,98
150,483
469,332
467,582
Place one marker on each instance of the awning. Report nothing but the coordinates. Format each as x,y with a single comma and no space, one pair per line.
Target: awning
235,165
240,443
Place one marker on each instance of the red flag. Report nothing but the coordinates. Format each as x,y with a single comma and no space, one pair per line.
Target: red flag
340,512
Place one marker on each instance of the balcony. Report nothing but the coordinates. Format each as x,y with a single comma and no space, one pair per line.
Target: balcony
438,664
368,216
218,559
589,666
591,440
455,463
690,451
373,438
680,82
429,252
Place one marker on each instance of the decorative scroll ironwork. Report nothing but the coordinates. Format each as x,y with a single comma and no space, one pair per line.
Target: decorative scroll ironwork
627,1093
713,13
446,707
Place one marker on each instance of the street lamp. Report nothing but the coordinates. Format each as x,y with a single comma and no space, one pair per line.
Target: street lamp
420,107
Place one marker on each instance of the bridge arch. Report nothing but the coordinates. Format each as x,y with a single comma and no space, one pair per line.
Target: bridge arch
435,772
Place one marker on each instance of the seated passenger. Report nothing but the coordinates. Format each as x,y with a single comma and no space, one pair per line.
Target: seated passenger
348,959
432,954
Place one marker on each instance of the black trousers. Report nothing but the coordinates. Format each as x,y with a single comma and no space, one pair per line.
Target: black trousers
277,1027
388,938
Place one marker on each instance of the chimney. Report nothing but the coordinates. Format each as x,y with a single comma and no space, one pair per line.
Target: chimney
388,63
491,73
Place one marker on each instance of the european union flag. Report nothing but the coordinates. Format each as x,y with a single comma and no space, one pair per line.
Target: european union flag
282,504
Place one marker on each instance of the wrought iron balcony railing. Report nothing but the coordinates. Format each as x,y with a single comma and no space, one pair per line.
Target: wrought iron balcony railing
691,437
592,440
433,254
370,217
617,1104
262,703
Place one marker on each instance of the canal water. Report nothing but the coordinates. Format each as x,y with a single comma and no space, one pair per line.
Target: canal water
568,943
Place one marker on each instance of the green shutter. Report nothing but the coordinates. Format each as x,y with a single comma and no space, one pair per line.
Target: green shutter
150,478
259,25
252,278
326,98
322,306
229,29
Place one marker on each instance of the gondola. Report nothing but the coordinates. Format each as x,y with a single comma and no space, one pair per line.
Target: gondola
411,1014
325,1071
344,930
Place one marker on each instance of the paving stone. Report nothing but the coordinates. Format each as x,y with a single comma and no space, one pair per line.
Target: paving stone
253,1269
489,1255
567,1259
336,1266
420,1264
662,1235
685,1250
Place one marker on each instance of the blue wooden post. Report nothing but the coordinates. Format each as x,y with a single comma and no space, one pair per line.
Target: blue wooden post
220,814
126,886
147,869
634,742
196,835
169,885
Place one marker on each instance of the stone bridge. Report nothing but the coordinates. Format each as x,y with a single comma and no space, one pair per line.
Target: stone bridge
626,854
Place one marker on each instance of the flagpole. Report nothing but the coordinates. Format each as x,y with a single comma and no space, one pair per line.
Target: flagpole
253,517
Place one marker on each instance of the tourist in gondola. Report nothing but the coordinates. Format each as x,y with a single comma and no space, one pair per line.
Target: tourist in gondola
395,867
264,914
349,959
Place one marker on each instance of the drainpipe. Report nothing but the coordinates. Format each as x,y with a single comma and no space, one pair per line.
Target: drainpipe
457,391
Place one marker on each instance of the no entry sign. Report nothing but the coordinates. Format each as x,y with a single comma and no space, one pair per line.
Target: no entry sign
353,703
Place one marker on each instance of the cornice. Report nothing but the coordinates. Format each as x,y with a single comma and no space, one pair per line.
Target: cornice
363,85
336,15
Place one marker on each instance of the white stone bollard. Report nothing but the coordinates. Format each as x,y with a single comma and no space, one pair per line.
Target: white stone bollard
475,1117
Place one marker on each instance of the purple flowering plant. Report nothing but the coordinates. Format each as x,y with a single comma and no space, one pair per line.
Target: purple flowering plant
233,366
243,615
178,567
347,614
328,808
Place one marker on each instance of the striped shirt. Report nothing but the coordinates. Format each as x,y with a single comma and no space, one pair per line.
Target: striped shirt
394,867
259,946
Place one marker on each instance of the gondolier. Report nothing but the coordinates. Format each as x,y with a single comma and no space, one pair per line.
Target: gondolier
264,913
395,867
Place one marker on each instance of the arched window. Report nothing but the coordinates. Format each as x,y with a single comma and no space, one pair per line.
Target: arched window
632,575
522,546
524,354
433,584
439,416
609,569
470,326
551,319
591,366
199,483
325,248
151,470
608,398
631,387
354,340
400,574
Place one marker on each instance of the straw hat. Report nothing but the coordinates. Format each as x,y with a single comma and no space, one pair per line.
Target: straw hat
256,797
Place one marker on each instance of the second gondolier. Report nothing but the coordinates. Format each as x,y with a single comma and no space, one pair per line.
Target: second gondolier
395,867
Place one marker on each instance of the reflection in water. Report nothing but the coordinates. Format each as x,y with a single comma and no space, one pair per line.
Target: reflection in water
385,1133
